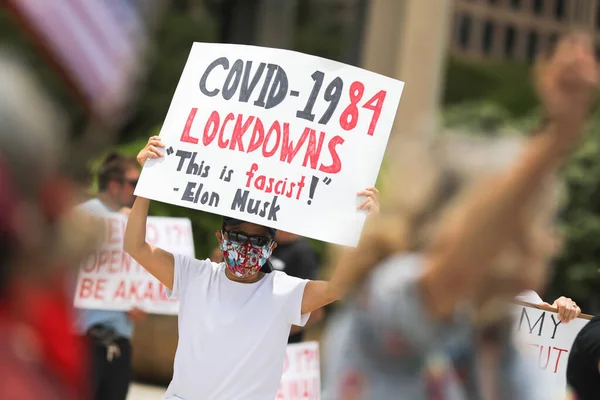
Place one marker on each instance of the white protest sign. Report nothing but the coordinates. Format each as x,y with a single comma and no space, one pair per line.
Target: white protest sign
547,341
301,378
111,280
274,137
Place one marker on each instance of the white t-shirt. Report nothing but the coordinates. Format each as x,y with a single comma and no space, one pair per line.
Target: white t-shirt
232,336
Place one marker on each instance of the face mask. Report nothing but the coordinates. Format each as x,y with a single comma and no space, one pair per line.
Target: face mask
244,260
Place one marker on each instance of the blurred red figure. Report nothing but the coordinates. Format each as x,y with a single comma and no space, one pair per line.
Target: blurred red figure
40,357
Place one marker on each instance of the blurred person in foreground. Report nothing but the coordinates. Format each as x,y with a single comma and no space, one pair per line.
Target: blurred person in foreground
234,317
434,273
109,332
40,357
583,368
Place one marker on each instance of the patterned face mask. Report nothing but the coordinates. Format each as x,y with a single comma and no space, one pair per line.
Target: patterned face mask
245,260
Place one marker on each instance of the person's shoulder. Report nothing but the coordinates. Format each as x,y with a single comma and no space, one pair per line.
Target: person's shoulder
92,206
193,262
281,279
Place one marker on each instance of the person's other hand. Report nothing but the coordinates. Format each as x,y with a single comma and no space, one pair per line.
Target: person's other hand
137,315
151,150
568,310
371,203
568,78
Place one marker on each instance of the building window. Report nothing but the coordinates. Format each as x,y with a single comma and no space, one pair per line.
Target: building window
464,31
515,4
532,45
538,6
510,39
488,37
559,9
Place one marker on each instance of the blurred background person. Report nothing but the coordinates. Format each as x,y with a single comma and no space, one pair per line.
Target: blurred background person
40,244
109,332
583,368
434,274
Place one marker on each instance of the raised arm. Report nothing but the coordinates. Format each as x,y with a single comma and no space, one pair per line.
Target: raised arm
158,262
155,260
318,294
490,218
458,261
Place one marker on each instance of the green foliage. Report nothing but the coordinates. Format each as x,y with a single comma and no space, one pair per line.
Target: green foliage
171,49
320,30
578,268
505,84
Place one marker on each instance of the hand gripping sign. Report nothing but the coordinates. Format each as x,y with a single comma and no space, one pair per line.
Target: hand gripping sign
111,280
547,341
274,137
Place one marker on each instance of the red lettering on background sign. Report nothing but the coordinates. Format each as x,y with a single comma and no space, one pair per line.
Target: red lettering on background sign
115,235
307,359
549,351
299,389
85,289
152,235
90,263
103,258
108,261
140,290
100,286
286,364
92,288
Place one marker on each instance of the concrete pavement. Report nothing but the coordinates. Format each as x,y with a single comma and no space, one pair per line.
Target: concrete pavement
145,392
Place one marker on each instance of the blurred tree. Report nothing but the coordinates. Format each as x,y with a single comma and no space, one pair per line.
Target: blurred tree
505,84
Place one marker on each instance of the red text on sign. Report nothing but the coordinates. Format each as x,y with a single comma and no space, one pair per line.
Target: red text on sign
249,134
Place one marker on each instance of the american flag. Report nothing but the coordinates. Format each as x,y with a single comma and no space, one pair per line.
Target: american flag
98,45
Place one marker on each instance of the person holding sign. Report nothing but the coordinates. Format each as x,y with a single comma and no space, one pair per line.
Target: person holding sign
436,271
235,317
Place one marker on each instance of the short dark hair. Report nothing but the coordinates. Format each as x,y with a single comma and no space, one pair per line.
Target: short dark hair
113,168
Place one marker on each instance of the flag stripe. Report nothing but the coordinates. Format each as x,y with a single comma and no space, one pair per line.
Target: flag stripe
98,44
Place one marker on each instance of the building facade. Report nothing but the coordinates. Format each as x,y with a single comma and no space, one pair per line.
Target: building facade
518,29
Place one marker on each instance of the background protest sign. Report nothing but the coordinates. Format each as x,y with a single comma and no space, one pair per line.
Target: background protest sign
301,378
546,340
111,280
274,137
